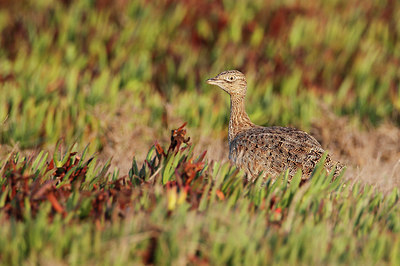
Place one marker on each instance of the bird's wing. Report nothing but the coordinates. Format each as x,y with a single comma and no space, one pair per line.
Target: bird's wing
275,149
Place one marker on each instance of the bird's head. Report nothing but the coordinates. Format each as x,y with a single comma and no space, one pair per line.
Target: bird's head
232,81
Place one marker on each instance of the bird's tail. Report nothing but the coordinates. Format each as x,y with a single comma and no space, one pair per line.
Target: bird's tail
336,166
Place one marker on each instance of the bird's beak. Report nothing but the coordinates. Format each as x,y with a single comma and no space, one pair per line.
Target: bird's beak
212,81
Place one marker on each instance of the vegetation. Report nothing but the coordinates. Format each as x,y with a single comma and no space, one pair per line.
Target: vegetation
176,208
72,70
67,63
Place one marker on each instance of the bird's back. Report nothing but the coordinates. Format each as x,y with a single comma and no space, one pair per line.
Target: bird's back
272,150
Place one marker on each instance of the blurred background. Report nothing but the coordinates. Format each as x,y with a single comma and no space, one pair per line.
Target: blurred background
120,74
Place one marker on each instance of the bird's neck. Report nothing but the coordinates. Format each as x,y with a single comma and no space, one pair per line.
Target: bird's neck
239,120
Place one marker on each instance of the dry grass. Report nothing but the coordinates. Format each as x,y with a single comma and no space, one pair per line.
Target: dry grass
371,155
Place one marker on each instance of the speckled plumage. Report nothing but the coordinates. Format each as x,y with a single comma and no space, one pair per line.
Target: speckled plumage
266,150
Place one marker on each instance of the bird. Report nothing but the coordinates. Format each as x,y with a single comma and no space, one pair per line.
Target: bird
267,151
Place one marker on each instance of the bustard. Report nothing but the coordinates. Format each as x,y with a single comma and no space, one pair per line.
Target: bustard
266,150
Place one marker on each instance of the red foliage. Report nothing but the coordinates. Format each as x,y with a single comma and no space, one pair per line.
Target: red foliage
109,199
178,138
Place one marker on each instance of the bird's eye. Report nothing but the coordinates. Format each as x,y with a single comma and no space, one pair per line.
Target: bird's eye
231,78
